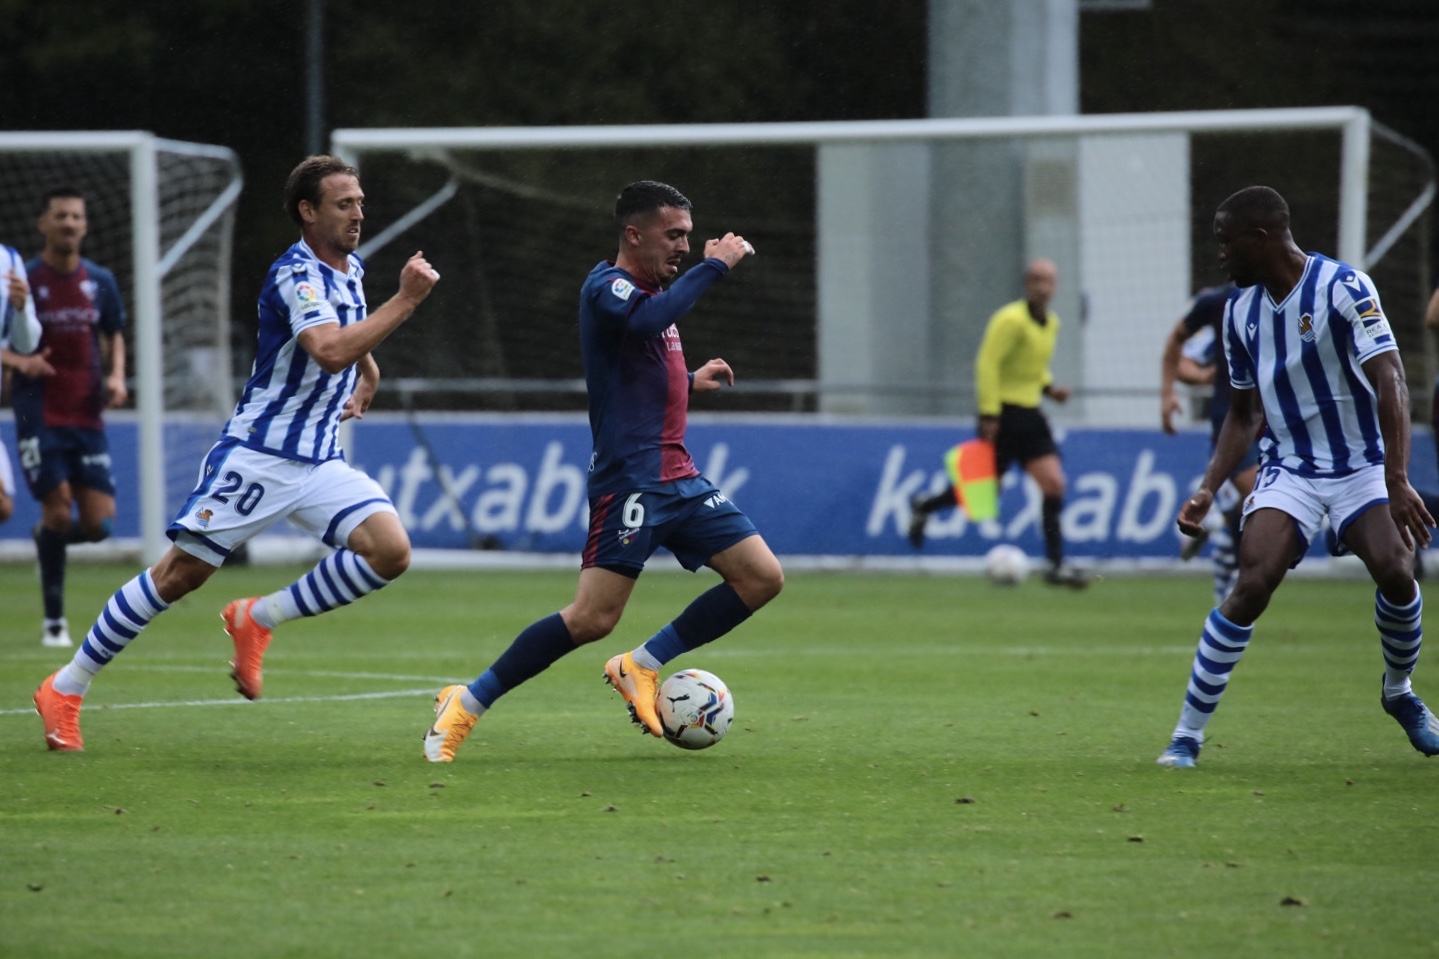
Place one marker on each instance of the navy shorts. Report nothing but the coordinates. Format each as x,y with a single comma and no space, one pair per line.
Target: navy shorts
61,454
691,518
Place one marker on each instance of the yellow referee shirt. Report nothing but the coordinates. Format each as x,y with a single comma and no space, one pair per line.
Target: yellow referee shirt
1013,362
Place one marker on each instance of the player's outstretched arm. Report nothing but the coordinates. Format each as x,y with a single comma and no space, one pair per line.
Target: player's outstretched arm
1386,374
1235,436
336,348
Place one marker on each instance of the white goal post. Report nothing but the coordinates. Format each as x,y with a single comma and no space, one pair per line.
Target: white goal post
162,218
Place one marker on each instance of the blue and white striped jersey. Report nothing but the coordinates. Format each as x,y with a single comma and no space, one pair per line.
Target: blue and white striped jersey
1304,356
19,330
290,406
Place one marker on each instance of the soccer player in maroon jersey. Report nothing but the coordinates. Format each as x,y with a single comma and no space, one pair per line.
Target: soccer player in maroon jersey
59,394
644,489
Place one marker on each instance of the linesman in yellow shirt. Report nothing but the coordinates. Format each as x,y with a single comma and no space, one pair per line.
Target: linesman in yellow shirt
1011,376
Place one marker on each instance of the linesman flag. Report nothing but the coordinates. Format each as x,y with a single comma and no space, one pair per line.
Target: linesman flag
976,485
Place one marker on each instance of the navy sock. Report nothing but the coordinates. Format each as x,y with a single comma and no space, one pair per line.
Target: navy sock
533,651
713,613
78,534
50,548
1051,510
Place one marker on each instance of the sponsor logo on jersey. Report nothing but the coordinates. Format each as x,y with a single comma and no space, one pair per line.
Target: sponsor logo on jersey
1306,329
622,288
715,500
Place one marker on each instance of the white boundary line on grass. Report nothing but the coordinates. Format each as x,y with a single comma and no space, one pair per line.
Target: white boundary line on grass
236,701
428,691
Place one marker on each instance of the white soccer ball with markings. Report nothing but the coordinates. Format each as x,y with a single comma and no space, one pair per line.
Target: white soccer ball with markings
1006,565
695,709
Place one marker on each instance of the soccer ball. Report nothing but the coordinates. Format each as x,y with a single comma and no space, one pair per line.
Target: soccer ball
1006,565
695,709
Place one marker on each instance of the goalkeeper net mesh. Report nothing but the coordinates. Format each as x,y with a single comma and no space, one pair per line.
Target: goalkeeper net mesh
514,231
196,186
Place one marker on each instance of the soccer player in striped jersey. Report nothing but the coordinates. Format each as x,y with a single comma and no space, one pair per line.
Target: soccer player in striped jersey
19,335
644,489
60,395
279,456
1310,351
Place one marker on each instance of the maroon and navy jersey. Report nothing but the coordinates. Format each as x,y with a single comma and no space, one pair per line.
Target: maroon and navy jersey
636,376
74,309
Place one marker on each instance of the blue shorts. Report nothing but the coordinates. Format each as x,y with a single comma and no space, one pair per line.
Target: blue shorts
690,517
61,454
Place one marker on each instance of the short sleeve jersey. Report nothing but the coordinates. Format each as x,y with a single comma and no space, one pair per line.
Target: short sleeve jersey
74,309
290,406
1013,362
1305,356
636,377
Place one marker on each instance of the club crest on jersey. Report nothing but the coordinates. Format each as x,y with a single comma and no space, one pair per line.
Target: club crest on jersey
203,517
1306,329
622,288
627,536
89,288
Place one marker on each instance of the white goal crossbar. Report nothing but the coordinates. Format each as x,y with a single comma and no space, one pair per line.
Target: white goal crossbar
1353,123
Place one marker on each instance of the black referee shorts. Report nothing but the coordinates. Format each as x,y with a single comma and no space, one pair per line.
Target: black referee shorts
1023,436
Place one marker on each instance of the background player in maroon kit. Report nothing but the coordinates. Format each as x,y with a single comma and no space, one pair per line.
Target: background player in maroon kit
644,489
59,393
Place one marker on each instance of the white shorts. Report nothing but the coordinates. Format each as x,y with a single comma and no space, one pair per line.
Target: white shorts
1308,500
241,492
7,473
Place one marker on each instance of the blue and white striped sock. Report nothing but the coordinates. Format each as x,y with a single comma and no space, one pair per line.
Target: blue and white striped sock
1401,633
124,616
1220,646
337,580
1226,563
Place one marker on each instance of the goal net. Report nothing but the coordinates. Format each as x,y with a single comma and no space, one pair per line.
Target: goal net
883,247
161,217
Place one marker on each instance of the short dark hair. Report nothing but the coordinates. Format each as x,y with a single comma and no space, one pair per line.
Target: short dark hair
1257,206
304,182
59,193
643,198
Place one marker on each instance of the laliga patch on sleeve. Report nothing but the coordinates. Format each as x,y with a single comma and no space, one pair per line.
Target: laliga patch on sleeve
305,293
622,288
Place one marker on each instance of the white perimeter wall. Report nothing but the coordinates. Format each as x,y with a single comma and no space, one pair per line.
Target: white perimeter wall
1135,266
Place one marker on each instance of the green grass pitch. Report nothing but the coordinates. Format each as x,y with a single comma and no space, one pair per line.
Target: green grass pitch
920,766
